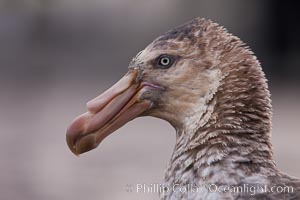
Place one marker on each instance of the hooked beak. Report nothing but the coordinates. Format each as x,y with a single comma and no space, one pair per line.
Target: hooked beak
108,112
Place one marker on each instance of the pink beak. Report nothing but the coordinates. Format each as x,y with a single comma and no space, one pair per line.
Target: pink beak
108,112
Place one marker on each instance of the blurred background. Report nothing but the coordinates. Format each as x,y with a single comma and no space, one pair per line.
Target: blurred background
55,55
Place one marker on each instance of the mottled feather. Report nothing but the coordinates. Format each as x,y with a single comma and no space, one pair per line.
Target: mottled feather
219,103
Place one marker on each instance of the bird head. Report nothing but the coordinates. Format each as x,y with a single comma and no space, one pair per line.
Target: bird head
173,78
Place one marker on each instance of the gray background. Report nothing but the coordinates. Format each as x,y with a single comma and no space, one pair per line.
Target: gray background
55,55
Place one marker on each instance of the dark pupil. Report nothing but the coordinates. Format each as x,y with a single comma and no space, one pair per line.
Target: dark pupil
165,61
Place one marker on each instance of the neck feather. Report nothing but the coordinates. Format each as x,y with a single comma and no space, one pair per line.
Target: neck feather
235,135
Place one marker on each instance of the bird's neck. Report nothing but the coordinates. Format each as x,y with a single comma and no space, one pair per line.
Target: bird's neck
217,161
233,141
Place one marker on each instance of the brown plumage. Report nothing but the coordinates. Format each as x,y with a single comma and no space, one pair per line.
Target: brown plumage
210,87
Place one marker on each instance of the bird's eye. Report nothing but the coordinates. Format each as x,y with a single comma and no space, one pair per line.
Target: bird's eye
165,61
